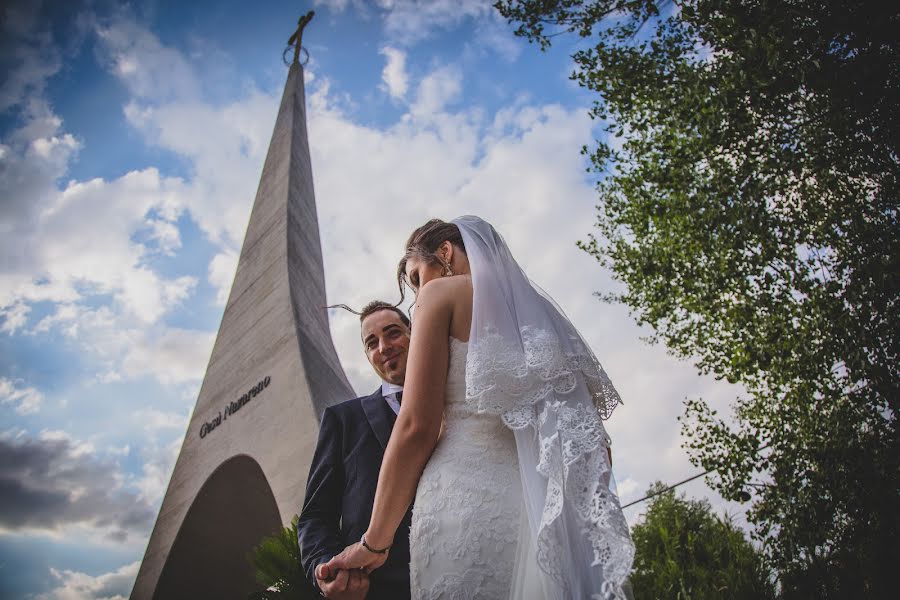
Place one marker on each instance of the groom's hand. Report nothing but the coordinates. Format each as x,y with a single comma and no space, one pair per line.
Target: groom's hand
342,585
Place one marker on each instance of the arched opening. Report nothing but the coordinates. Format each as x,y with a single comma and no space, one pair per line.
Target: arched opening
232,512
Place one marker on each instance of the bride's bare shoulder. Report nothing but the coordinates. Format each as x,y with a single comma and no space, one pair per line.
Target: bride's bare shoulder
448,291
448,285
449,300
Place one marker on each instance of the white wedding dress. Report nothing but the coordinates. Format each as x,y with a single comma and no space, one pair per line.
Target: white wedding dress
469,538
517,500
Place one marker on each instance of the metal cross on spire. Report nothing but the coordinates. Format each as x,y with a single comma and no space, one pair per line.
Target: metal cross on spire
297,37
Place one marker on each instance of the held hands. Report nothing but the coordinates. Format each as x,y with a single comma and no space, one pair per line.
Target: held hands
356,556
346,576
342,585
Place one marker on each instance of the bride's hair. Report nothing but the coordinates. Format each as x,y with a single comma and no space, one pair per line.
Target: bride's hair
423,243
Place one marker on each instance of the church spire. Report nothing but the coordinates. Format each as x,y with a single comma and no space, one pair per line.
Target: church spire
241,472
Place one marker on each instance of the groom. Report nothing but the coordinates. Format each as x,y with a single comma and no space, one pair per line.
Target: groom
344,472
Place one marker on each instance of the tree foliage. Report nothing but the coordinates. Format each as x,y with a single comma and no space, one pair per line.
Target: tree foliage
278,571
748,200
685,552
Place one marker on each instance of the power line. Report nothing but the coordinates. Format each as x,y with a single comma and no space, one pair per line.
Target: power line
675,485
671,487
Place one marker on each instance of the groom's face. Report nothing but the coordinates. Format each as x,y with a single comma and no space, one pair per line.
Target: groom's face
386,340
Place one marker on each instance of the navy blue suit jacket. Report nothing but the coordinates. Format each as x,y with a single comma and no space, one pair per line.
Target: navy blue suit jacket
341,490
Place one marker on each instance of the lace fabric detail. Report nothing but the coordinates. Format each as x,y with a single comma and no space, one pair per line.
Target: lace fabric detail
503,378
531,385
466,517
468,585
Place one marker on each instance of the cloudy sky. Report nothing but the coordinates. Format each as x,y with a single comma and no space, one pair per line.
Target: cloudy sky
131,141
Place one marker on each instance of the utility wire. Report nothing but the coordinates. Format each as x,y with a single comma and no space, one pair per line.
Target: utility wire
675,485
671,487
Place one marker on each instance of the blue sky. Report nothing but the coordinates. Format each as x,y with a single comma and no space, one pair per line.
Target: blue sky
131,142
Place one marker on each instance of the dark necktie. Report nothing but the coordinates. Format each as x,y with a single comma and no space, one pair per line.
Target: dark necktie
400,397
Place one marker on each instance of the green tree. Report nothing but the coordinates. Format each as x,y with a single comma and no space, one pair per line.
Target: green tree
748,201
685,552
278,571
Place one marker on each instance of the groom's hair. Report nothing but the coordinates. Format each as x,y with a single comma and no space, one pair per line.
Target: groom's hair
376,305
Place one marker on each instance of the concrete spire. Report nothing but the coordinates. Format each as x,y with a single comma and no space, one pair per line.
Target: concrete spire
242,468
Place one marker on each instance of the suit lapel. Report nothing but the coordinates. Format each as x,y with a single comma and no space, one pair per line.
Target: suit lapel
380,416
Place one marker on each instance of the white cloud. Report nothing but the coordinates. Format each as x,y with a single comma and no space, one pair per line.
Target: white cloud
176,356
27,184
436,91
119,450
627,489
148,68
26,400
225,143
88,241
494,37
125,347
394,75
226,146
408,22
14,317
60,245
73,448
65,313
157,470
412,20
338,5
165,234
74,585
27,55
221,274
153,419
50,148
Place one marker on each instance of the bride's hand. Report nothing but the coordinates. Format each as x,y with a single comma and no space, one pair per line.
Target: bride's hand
356,556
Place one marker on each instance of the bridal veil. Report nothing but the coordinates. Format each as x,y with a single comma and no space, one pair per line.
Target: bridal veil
527,363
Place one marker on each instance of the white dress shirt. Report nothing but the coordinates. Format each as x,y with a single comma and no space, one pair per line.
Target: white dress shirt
389,391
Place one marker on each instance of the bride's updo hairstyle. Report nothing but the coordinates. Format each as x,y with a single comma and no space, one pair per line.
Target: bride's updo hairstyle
423,243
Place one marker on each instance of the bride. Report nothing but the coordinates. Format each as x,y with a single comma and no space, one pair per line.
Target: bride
499,438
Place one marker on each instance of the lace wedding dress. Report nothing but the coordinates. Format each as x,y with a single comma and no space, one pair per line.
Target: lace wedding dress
468,539
517,500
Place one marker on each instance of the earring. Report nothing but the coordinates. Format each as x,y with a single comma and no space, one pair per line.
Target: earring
446,271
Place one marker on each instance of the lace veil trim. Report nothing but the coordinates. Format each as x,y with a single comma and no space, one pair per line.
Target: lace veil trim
527,386
502,377
527,363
